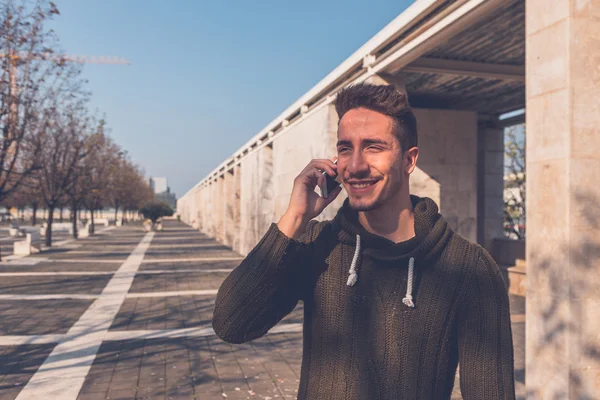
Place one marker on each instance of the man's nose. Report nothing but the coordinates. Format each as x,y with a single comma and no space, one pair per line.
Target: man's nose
357,164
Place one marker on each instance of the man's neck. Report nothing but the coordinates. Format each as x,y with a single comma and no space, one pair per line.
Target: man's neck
393,221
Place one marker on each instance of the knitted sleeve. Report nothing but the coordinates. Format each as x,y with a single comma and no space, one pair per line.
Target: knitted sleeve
485,337
264,288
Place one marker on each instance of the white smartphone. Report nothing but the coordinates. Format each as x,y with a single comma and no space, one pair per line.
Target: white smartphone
330,184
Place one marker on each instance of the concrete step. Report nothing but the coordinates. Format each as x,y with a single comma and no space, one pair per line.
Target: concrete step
516,277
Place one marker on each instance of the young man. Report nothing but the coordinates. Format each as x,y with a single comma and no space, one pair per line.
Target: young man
393,298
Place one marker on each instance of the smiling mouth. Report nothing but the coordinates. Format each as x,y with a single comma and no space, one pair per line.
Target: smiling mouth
362,185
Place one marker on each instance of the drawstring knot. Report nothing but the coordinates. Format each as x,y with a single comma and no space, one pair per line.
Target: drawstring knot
408,299
353,275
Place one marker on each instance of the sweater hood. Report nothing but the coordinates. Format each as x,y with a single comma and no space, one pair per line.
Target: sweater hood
431,234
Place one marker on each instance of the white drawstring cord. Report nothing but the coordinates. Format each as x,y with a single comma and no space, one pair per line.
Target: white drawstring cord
353,275
408,300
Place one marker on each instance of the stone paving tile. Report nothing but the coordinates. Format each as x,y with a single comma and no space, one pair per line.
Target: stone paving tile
216,251
177,282
200,368
40,317
17,366
177,312
61,267
91,256
53,284
199,265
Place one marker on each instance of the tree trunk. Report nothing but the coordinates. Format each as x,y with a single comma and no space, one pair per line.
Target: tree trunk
116,213
49,227
34,215
74,216
61,214
92,227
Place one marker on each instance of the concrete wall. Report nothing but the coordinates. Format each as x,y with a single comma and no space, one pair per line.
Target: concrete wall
256,197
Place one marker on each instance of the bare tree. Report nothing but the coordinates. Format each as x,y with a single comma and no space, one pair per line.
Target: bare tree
29,80
64,149
514,182
100,165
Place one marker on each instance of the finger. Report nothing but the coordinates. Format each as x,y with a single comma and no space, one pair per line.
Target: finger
314,175
324,165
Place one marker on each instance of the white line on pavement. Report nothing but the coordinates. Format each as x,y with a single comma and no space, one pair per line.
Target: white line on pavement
48,296
84,260
56,273
172,294
138,335
171,271
63,373
92,273
196,259
29,339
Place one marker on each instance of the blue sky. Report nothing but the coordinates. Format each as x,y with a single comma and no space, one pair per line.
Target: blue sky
205,76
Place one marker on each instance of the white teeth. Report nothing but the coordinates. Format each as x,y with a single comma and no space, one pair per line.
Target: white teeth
360,185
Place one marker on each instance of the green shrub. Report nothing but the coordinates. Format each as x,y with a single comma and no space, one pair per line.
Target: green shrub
154,211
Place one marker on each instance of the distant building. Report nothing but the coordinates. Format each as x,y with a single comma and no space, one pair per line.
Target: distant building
167,197
158,184
162,192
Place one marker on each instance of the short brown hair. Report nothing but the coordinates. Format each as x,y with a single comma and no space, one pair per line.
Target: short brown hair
385,99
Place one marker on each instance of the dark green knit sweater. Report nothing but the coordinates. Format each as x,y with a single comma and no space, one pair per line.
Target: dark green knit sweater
363,341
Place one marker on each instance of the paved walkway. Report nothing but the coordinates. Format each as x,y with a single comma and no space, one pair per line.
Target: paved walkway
126,314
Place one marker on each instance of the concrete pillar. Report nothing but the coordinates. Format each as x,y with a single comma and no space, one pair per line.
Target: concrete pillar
490,184
447,166
257,197
231,203
235,209
563,199
221,200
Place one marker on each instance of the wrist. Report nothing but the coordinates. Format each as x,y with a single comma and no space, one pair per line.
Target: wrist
292,225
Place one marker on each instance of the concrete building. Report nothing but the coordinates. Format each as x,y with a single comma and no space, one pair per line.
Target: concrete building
463,64
167,197
158,184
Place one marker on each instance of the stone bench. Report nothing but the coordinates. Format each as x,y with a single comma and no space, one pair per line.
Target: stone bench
31,244
102,221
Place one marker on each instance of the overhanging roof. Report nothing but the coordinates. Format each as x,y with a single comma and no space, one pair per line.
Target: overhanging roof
456,54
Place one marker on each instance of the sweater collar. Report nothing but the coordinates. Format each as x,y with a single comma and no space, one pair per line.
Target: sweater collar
431,234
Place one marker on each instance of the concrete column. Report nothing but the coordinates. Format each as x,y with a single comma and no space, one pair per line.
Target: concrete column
221,201
257,197
209,212
447,166
204,213
563,199
235,209
228,202
490,184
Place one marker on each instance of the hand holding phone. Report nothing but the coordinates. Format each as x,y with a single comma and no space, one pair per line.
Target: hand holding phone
331,183
305,202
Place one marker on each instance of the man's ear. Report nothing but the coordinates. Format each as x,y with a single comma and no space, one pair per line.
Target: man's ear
410,159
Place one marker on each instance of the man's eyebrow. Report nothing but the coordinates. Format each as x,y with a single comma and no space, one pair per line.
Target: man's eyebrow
364,141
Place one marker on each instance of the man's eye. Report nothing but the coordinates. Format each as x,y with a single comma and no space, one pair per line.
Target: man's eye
343,150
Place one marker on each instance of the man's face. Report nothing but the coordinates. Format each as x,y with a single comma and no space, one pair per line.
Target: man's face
370,162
